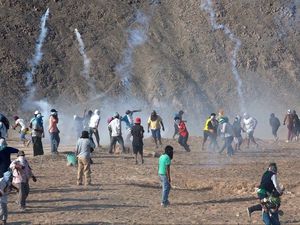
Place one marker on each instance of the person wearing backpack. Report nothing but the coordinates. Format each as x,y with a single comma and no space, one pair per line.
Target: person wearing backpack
37,133
227,131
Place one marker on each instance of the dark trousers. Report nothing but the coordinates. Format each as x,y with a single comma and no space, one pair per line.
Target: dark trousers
23,192
114,140
227,144
55,140
37,146
96,133
183,142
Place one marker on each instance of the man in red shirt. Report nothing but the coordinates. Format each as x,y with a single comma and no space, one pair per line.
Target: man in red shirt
183,135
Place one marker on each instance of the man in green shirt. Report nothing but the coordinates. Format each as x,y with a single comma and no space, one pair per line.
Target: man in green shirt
164,164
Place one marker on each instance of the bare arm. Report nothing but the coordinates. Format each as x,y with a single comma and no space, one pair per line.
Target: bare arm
162,125
169,173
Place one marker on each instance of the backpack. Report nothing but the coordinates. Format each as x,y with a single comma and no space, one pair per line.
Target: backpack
4,120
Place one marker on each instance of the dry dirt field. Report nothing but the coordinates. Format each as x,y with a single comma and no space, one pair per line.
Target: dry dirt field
208,188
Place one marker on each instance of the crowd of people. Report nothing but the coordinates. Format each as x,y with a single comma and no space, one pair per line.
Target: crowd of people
216,128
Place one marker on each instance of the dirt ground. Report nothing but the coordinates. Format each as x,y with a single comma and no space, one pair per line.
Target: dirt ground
208,188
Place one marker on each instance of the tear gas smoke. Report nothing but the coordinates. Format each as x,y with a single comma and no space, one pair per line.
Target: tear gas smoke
137,36
86,62
208,7
34,62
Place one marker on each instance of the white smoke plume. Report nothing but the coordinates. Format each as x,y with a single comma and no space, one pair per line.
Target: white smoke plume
34,62
137,36
208,8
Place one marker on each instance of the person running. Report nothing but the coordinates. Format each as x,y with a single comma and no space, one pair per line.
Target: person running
249,125
128,119
237,133
275,124
23,131
155,123
37,133
211,131
84,147
164,172
183,134
54,131
296,125
5,153
288,121
177,116
93,126
137,132
227,131
22,172
269,187
5,184
115,128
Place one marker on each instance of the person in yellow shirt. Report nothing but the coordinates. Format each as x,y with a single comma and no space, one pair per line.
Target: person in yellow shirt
210,131
155,123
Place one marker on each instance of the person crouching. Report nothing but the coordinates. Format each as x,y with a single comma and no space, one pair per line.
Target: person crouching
21,174
84,148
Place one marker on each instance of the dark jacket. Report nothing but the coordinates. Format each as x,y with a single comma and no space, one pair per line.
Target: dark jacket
137,132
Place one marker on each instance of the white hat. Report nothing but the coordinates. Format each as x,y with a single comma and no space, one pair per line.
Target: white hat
97,112
37,112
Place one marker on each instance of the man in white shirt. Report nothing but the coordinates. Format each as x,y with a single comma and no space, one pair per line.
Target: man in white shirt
93,126
116,133
249,125
20,123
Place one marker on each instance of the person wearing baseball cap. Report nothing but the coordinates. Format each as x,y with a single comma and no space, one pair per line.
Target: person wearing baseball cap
137,132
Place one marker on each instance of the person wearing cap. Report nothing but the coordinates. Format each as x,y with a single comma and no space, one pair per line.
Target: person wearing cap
93,126
249,125
37,133
128,119
155,123
177,116
84,147
288,121
275,124
210,130
5,183
269,186
137,132
54,131
23,131
115,127
22,172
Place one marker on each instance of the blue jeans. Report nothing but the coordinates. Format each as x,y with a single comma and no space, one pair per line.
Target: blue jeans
165,188
54,139
271,220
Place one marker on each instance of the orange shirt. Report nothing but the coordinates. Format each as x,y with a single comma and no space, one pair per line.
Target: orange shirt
53,124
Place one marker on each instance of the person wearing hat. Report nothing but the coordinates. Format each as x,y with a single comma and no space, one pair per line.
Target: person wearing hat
137,132
84,147
269,187
54,131
22,172
37,133
5,183
155,123
23,131
115,127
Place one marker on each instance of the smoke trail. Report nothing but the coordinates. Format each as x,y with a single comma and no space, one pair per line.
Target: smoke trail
137,35
207,7
34,62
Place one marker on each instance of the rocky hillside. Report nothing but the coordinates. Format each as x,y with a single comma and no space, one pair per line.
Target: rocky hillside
166,51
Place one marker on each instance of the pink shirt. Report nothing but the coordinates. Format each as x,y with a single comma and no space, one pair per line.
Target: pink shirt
21,170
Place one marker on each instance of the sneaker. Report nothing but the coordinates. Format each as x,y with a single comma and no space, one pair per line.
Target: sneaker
248,212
